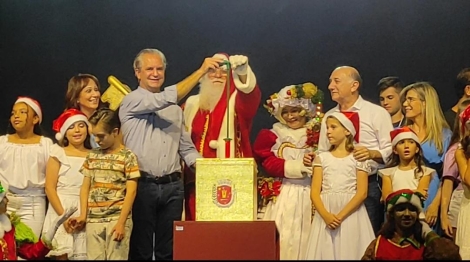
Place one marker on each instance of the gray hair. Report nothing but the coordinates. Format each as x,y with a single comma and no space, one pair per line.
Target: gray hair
138,57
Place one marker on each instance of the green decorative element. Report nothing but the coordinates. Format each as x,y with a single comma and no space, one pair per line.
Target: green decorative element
2,190
299,90
23,233
318,97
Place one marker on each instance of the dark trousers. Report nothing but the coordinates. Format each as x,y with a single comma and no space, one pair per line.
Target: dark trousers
375,209
155,208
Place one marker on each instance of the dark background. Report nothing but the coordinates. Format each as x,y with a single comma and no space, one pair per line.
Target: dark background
44,43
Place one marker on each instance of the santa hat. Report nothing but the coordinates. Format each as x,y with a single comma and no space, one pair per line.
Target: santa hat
65,120
465,118
350,120
403,133
32,103
405,196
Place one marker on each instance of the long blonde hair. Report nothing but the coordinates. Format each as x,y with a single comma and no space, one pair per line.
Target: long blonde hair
431,109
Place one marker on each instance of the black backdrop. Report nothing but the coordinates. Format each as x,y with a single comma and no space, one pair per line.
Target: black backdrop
44,43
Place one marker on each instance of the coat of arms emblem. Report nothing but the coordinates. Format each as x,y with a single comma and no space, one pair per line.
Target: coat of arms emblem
223,193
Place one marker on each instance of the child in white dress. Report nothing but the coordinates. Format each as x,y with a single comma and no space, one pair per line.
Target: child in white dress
63,182
23,156
341,229
406,169
462,157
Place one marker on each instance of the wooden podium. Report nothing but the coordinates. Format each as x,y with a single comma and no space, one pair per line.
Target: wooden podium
225,240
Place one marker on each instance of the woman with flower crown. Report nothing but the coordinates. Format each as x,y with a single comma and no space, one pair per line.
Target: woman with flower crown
279,151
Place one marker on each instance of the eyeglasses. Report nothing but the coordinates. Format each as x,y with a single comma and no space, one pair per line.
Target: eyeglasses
212,72
411,99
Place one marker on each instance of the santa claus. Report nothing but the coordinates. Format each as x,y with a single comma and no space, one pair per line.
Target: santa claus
215,117
17,239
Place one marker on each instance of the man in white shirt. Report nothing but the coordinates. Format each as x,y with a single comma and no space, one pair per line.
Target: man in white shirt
374,135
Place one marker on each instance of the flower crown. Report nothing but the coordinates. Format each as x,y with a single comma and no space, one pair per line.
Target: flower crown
305,95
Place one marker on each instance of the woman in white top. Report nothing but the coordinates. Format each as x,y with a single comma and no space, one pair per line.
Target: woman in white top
406,169
23,157
63,182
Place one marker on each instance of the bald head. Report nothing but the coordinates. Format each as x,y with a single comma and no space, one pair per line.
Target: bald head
350,72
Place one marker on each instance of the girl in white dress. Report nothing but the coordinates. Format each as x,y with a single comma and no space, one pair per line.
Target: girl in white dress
23,156
63,182
280,151
462,158
406,169
341,229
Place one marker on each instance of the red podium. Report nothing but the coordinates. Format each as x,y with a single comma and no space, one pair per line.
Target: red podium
225,240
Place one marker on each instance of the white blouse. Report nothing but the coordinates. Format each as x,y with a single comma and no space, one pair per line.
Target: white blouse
23,166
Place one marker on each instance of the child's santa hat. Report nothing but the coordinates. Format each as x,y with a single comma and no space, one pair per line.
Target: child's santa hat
405,196
350,120
65,120
403,133
32,103
465,118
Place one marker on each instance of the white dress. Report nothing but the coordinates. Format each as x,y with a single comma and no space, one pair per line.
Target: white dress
23,171
463,225
350,240
292,210
68,190
404,179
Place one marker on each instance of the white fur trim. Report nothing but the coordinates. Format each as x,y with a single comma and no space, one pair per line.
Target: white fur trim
282,130
415,201
32,104
348,124
250,84
190,110
213,144
293,168
70,121
404,135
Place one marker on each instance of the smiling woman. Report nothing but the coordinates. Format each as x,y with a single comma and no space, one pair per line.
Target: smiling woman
83,93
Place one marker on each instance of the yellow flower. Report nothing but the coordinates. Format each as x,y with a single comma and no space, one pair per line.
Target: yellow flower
293,92
309,90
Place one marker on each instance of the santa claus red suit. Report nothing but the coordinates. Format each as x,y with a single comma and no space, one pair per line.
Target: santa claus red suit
207,114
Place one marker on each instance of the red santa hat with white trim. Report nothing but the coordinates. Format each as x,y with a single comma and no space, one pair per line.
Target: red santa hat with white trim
34,104
65,120
350,120
403,133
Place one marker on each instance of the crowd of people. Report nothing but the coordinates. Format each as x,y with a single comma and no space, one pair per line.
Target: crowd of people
359,181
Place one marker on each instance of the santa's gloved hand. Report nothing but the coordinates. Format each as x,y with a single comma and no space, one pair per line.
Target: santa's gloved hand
49,235
239,64
426,229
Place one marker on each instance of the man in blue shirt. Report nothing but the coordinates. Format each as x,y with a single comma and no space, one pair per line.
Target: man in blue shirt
153,128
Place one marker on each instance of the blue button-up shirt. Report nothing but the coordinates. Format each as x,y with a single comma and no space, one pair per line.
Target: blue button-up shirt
153,128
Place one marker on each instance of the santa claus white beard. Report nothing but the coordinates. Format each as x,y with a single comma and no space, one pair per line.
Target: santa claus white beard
209,94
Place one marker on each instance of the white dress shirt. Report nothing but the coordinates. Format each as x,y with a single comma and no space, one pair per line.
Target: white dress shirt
374,133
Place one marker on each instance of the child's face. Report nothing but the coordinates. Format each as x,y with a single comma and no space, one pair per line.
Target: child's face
23,117
77,133
103,138
406,149
335,132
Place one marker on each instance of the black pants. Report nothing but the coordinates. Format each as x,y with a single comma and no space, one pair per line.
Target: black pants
156,206
375,209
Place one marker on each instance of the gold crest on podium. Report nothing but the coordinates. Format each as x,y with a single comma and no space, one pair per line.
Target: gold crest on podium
226,189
